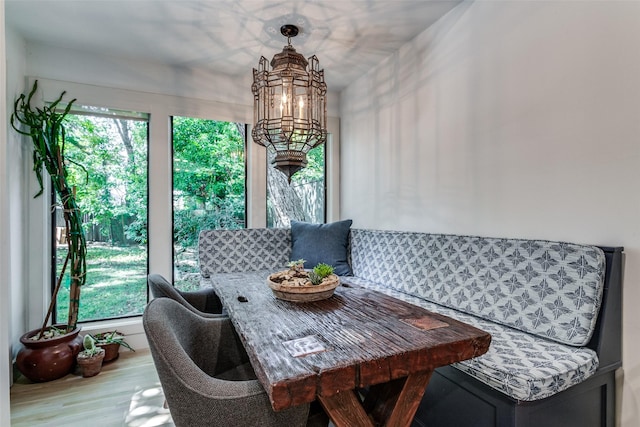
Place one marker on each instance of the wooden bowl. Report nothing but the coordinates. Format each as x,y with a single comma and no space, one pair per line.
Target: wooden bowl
304,293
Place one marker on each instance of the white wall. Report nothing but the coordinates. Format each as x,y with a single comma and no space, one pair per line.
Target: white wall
12,202
5,366
508,119
16,188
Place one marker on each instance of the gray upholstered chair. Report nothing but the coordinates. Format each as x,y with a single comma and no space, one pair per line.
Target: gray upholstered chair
204,301
205,373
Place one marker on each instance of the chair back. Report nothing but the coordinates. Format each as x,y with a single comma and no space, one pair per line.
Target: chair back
203,302
161,288
189,351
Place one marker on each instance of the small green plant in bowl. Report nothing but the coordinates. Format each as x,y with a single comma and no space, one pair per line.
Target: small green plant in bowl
319,272
299,285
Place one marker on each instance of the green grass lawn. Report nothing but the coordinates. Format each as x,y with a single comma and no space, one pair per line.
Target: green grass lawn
116,283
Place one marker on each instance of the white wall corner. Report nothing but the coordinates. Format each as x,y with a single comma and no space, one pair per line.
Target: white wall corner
5,272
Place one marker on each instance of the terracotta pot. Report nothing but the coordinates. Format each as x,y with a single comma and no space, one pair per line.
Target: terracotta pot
47,360
111,351
92,365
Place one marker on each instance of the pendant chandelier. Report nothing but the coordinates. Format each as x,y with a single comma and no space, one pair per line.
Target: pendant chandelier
290,106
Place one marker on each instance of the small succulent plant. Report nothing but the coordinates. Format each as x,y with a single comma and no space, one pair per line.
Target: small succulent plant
90,348
111,337
297,265
319,272
314,278
323,270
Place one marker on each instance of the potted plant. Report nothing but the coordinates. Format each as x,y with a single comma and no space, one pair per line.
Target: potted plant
44,127
90,359
299,285
111,342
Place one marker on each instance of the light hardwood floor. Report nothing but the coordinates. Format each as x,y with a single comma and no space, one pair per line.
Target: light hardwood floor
126,393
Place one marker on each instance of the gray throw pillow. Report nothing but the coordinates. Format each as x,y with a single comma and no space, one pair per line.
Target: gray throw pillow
322,243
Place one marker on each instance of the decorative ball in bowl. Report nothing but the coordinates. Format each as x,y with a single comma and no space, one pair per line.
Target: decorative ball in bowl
299,285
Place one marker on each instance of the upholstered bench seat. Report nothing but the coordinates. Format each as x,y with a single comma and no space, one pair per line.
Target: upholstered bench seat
518,364
552,309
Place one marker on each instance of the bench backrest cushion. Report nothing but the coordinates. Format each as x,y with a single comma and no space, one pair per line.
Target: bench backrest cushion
247,249
549,289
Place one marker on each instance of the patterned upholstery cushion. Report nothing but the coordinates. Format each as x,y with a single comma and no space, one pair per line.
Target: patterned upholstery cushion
522,366
550,289
247,249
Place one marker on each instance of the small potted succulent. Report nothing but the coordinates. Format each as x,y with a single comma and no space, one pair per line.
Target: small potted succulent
90,359
299,285
111,342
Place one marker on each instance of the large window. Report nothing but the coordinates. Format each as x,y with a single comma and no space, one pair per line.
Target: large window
208,187
301,200
111,187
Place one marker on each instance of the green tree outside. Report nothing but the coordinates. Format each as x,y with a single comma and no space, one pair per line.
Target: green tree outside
208,186
112,196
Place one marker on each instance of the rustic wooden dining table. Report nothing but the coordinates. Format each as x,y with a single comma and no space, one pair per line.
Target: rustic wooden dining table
357,342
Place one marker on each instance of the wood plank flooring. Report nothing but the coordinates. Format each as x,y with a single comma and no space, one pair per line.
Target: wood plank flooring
126,393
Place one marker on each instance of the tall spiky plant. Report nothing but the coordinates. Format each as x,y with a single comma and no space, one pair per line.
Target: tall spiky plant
46,131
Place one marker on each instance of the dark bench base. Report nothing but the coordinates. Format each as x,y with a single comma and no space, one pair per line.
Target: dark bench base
458,400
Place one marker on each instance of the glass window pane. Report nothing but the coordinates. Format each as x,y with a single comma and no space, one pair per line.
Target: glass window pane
112,196
208,187
303,199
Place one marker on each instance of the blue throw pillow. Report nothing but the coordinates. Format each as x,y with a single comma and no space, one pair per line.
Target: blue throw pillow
322,243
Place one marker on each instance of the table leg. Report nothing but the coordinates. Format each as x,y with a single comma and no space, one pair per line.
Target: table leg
395,403
345,410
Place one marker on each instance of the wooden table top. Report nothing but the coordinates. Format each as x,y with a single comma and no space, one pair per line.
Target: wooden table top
356,338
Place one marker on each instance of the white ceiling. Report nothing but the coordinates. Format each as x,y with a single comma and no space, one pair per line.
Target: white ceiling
229,36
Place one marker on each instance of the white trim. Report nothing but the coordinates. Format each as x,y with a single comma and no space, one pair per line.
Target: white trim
256,183
333,170
159,205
